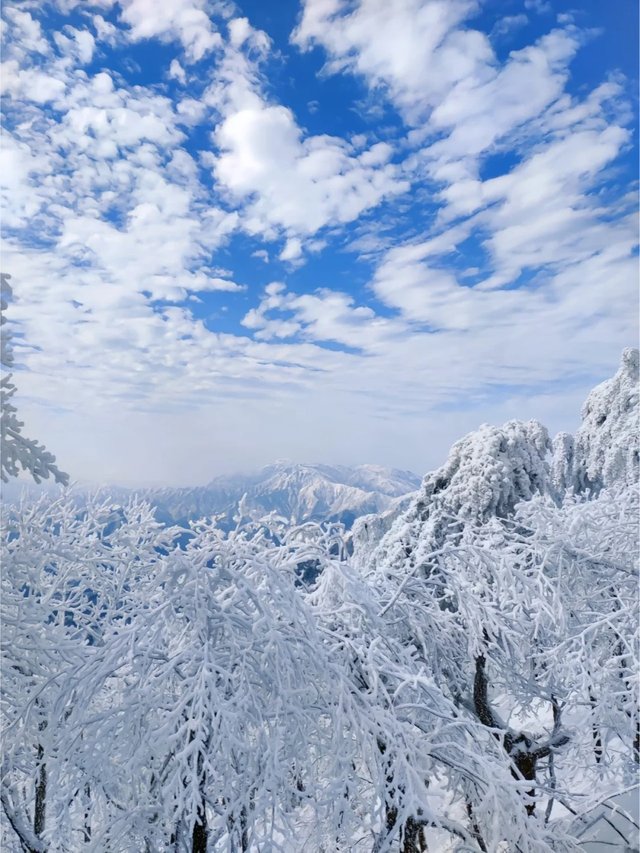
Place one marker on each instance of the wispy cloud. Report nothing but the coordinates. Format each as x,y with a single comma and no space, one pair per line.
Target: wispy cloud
482,248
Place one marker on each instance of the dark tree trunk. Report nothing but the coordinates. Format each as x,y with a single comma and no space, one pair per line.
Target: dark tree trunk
86,829
595,733
244,830
200,833
413,840
525,764
28,842
239,831
412,835
519,748
200,830
481,694
39,812
475,829
390,808
174,838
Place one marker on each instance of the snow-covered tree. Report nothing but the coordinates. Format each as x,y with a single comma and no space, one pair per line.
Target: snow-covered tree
467,684
587,553
74,577
563,463
493,611
608,442
436,763
195,699
16,451
486,474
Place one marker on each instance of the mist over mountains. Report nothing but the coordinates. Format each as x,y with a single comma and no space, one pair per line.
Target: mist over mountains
292,491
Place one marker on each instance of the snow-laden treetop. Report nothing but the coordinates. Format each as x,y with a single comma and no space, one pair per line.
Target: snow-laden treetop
491,470
607,444
487,473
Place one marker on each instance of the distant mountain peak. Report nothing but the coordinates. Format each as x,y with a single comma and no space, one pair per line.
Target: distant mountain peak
294,490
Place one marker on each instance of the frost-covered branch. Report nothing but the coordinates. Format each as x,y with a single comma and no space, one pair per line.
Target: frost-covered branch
17,452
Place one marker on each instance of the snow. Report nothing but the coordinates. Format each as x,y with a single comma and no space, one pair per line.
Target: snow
17,452
608,441
293,491
610,824
486,474
467,679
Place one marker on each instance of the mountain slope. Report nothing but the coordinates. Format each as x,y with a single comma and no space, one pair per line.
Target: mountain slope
295,492
490,470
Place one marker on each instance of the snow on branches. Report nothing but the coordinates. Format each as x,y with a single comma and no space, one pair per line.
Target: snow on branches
486,474
608,443
16,451
467,684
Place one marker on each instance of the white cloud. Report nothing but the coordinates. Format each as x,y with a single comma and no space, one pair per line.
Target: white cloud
544,213
482,109
416,49
294,183
292,250
508,24
112,234
108,221
187,20
539,6
241,31
323,316
20,165
29,83
26,32
105,30
217,283
177,72
541,218
445,79
78,44
287,182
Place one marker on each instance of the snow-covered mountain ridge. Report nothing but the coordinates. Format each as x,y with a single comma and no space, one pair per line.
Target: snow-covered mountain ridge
293,491
491,470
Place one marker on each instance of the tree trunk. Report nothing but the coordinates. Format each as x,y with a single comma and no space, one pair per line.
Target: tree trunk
390,809
200,832
412,834
475,829
200,829
86,828
413,840
595,732
519,748
39,812
525,764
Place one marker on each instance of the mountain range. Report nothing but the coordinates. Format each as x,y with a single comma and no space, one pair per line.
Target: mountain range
295,492
292,491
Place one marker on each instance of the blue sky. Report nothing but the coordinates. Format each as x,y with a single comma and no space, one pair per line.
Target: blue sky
325,230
